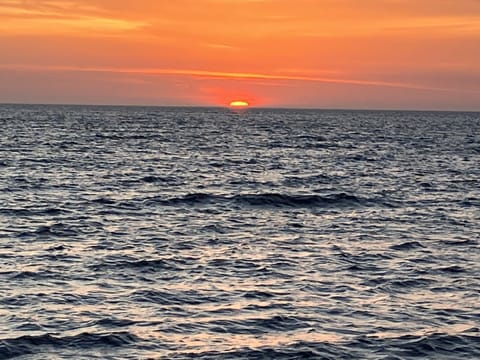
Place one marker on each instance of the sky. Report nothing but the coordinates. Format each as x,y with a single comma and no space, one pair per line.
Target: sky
377,54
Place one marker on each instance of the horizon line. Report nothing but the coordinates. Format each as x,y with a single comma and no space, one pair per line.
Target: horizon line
226,107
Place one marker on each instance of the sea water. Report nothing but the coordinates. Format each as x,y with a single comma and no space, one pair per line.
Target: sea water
202,233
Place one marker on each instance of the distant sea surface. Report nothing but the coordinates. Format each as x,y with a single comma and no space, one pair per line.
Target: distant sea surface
197,233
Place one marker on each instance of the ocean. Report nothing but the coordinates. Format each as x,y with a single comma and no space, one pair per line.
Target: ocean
206,233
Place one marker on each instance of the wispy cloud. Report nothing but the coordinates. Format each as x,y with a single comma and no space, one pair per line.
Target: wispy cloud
56,17
230,76
436,23
222,46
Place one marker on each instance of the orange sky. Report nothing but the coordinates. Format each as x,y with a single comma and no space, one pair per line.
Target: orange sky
305,53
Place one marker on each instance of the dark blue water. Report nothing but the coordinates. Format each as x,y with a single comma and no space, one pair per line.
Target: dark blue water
177,233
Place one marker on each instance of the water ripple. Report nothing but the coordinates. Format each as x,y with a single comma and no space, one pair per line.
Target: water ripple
187,233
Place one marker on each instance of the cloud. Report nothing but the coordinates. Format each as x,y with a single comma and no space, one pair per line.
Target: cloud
453,24
57,17
221,46
232,76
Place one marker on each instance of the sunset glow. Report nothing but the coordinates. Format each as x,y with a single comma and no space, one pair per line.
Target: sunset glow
307,53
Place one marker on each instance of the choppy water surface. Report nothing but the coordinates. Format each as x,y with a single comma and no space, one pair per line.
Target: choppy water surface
271,234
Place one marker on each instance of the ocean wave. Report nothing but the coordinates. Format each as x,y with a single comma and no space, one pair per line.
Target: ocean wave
256,294
261,200
467,242
453,269
265,200
33,212
470,202
53,230
113,322
143,265
299,351
408,245
43,274
259,325
172,298
158,179
29,344
433,346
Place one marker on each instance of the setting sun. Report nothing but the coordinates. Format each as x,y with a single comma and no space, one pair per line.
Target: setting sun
239,103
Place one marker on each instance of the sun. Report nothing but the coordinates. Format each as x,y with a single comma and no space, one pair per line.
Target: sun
239,104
